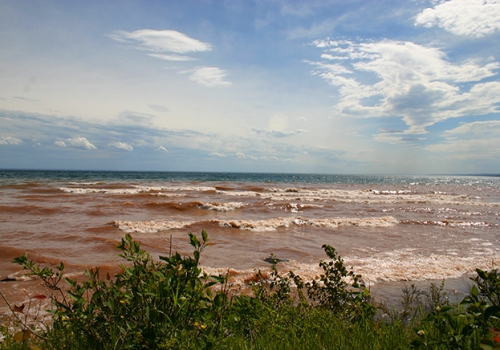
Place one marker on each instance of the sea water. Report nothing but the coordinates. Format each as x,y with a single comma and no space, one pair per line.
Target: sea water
390,229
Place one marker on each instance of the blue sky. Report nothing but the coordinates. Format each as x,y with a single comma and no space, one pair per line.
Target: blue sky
402,87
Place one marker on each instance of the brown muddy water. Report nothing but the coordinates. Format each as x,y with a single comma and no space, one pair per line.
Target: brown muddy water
394,231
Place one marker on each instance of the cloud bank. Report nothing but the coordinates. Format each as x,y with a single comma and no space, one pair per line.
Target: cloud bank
161,41
121,145
9,140
209,76
472,17
78,142
402,79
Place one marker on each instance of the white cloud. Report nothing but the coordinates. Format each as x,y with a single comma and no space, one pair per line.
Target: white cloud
79,142
491,127
396,138
403,79
121,145
209,76
216,154
171,57
472,17
9,140
279,133
242,155
476,140
469,149
162,40
163,149
159,108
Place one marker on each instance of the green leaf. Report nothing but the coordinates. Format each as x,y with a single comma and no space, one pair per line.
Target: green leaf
193,240
491,311
474,291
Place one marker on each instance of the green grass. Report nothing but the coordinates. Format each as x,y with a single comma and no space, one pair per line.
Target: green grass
172,304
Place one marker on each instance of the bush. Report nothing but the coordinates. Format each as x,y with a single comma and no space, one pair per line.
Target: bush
147,305
172,304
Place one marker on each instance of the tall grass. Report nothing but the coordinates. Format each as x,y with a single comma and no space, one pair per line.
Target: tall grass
173,304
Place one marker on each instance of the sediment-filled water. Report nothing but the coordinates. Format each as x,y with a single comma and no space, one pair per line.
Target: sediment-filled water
388,228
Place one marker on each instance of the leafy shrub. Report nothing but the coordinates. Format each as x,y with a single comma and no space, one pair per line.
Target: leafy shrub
147,305
339,289
172,304
470,325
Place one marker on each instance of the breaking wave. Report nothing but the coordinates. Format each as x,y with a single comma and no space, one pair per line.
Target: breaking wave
257,225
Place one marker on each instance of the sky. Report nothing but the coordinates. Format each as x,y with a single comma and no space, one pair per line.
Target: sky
318,86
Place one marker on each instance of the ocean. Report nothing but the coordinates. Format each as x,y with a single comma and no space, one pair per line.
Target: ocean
393,230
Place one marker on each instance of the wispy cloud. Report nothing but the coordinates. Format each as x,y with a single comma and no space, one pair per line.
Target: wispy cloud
172,57
473,141
78,142
161,41
217,154
417,83
209,76
168,45
473,17
158,108
121,145
490,127
9,140
162,149
242,155
279,133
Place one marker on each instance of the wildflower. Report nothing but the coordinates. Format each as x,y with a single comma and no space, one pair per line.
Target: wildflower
496,334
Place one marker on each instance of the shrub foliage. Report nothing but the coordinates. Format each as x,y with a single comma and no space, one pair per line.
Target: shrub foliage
171,303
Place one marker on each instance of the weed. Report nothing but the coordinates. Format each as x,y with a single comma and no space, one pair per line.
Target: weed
172,304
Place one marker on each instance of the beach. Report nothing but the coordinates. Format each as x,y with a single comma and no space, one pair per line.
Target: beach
391,229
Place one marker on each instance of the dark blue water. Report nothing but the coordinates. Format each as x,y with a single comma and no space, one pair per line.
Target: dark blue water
62,175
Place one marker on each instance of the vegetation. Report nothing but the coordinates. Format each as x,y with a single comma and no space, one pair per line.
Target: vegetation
173,304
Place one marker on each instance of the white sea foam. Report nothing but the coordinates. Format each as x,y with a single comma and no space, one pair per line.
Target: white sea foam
451,223
303,195
83,183
238,193
189,188
363,196
276,223
79,190
391,192
222,207
170,195
392,266
293,207
407,265
174,188
156,190
150,226
257,225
